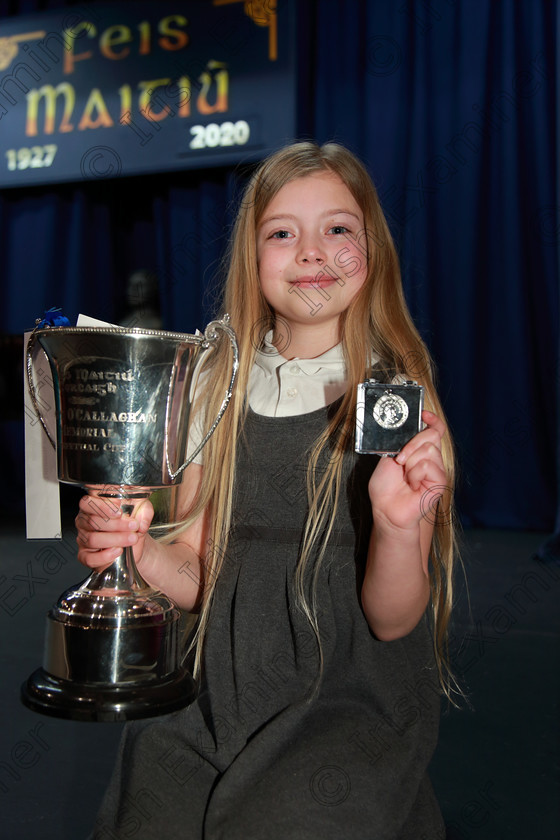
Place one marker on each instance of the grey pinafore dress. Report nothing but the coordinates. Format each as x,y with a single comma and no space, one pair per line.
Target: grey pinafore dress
272,749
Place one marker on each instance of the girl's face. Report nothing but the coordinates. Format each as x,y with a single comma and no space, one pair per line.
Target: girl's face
311,265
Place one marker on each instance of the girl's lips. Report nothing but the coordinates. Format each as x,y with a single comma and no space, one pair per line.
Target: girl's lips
320,281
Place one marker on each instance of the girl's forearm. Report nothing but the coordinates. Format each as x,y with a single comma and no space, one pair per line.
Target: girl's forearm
396,587
174,569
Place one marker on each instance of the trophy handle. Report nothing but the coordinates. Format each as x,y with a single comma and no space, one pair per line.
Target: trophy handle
31,386
210,335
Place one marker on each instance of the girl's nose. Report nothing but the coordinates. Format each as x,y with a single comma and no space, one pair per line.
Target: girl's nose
310,251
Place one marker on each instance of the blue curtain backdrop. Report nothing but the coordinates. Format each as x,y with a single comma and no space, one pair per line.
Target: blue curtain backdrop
452,104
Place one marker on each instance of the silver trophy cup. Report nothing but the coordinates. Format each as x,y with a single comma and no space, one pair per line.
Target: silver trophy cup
123,407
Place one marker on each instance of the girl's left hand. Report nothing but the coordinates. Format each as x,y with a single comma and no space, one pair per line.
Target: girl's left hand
401,489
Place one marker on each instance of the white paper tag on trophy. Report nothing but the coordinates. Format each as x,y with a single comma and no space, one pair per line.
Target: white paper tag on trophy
86,321
42,490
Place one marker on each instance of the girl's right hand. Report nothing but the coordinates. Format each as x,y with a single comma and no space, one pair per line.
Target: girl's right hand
103,531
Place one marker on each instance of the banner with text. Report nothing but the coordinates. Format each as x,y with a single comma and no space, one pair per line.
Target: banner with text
98,91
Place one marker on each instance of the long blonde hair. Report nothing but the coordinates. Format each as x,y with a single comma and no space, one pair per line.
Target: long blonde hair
377,321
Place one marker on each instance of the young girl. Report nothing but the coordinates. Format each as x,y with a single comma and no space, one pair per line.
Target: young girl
322,588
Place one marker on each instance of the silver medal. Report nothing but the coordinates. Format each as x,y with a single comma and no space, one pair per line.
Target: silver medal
390,411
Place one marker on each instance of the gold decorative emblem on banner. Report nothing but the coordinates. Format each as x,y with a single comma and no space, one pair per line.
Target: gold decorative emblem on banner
9,46
263,13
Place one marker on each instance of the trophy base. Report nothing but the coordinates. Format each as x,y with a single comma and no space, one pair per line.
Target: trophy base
110,658
50,695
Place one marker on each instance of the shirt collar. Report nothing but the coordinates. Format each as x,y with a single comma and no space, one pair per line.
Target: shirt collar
269,359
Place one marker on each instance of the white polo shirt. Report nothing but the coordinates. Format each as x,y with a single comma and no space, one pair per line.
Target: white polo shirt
280,387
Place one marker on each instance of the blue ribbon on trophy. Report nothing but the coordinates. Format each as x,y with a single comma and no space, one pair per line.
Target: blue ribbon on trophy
52,317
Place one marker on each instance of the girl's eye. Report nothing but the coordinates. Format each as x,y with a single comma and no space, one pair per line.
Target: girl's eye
338,229
281,234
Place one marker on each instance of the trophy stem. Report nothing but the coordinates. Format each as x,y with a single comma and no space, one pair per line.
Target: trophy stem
122,576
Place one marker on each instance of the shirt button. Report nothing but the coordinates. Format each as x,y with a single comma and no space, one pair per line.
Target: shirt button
294,370
291,392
